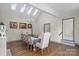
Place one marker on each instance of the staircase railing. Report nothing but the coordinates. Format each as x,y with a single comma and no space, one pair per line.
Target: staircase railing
60,33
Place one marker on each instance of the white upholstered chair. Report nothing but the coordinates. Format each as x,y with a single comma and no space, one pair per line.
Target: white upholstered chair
44,41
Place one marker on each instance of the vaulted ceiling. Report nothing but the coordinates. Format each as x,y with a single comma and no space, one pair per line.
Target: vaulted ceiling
58,9
65,9
5,10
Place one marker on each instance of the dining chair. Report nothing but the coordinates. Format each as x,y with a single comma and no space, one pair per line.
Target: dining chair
44,42
24,38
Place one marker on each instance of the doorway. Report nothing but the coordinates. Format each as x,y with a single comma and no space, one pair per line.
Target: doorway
68,31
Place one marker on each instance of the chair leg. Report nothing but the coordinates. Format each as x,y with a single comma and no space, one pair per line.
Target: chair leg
31,47
34,48
41,51
47,49
27,46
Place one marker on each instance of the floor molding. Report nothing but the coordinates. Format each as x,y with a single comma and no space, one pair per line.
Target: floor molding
14,41
60,43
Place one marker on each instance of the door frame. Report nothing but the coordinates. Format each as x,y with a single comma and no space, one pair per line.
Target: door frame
73,27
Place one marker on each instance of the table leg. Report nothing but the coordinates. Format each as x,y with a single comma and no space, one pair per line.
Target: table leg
34,49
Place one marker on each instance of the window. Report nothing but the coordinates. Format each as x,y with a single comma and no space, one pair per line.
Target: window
35,12
31,8
47,27
23,8
13,6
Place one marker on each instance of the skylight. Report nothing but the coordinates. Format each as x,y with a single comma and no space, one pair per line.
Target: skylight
35,12
13,6
31,8
23,8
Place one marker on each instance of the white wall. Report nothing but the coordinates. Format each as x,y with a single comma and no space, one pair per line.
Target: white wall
14,34
55,23
76,30
2,46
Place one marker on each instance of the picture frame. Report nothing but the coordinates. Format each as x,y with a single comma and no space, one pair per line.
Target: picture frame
13,25
22,25
29,26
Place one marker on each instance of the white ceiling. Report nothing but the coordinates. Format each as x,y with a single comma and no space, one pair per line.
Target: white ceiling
5,10
58,9
65,9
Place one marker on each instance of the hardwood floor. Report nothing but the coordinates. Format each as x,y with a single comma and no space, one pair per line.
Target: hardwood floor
19,48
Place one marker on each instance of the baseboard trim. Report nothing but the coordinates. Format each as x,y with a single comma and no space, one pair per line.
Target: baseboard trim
61,43
13,41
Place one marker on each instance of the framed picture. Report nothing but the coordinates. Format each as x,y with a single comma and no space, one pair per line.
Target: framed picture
22,25
29,25
47,27
13,25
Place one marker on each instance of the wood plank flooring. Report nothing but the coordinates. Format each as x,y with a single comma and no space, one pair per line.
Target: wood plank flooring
19,48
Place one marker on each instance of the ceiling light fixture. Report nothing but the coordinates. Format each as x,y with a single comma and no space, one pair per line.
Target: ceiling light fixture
35,12
31,8
13,6
23,8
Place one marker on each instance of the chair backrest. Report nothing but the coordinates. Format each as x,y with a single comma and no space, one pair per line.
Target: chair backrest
45,40
29,40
